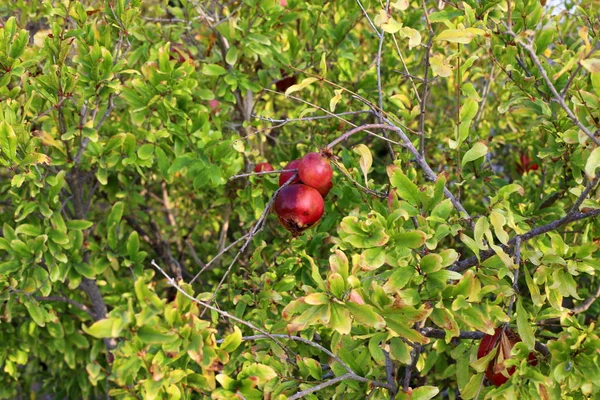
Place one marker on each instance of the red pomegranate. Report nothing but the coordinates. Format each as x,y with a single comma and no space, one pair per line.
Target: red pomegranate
263,167
505,340
298,207
284,176
324,190
314,170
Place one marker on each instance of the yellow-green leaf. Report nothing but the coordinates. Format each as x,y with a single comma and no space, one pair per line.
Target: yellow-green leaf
305,82
593,162
366,159
459,35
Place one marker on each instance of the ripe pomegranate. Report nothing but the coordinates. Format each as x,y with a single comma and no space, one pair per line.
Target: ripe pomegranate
324,190
262,167
505,340
314,170
284,176
298,207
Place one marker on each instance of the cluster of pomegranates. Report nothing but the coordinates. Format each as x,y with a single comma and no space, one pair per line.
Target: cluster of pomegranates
300,204
504,339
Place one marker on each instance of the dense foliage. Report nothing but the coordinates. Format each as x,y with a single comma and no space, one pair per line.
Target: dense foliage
138,255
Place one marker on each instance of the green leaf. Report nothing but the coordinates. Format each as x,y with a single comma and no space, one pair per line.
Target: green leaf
404,186
366,315
232,341
213,70
424,393
28,229
36,312
445,15
146,151
478,150
524,327
18,44
133,245
431,263
472,388
116,214
58,237
373,258
78,224
8,141
232,55
468,110
152,335
410,239
399,278
337,285
398,326
8,267
340,319
314,367
363,234
100,329
261,373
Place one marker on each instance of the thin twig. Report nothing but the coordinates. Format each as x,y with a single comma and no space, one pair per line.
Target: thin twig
323,385
368,18
423,100
337,116
280,171
415,353
587,303
515,285
389,373
225,250
317,117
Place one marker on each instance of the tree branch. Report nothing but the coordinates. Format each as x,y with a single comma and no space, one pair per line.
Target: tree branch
587,303
571,216
484,255
557,96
